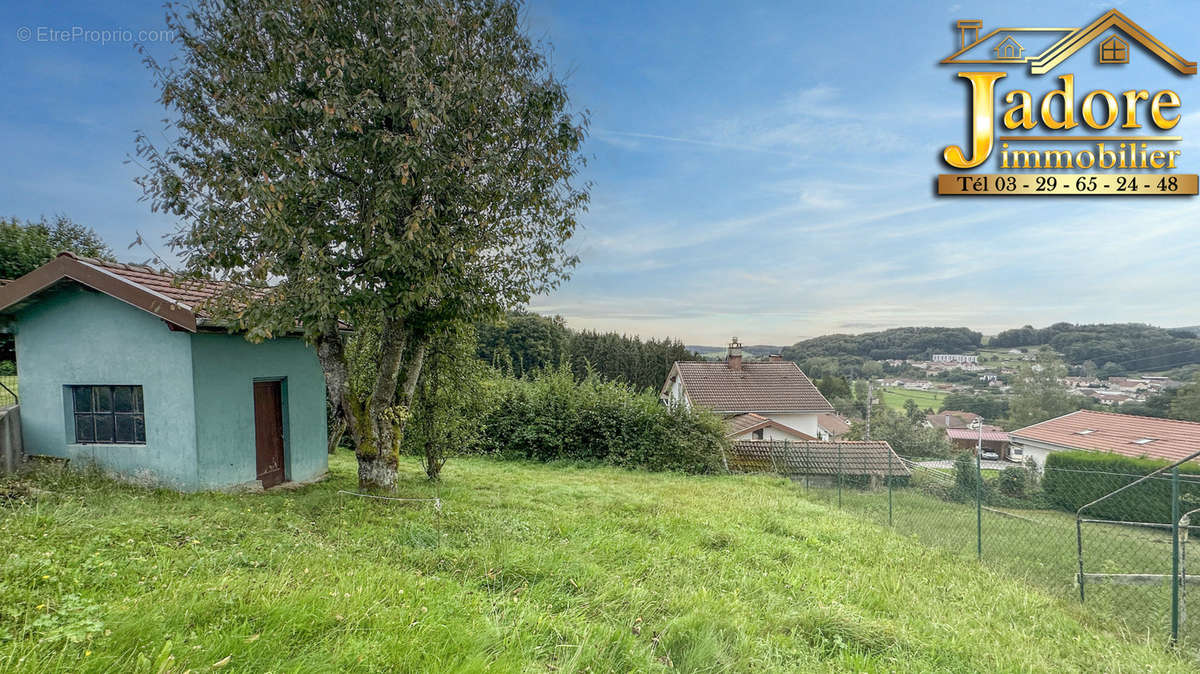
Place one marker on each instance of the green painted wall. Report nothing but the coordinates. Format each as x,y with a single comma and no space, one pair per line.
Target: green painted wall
78,336
198,392
226,367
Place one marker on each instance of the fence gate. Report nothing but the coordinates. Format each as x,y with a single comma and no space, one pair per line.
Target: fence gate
1133,553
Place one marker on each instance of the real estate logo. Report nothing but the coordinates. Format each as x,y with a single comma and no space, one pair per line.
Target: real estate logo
1107,142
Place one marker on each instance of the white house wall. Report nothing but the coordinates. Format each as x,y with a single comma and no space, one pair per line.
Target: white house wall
770,433
805,423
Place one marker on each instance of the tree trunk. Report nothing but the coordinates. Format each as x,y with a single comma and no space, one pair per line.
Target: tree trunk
378,472
336,432
331,353
378,448
414,370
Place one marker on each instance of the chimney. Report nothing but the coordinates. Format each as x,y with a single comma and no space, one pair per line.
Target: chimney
971,26
733,358
776,358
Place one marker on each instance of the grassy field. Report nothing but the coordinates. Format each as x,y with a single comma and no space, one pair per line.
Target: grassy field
895,397
527,568
1040,547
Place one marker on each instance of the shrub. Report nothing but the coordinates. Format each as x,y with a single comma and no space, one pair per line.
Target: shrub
1073,479
1013,481
968,484
7,368
550,416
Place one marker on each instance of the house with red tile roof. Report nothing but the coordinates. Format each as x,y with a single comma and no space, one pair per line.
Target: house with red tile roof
773,398
123,366
1126,434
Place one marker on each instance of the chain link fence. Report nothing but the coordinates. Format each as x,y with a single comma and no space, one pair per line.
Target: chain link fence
8,390
1124,544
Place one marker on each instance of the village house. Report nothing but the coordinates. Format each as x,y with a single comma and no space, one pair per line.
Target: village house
951,419
1127,434
954,358
765,400
989,439
120,366
832,426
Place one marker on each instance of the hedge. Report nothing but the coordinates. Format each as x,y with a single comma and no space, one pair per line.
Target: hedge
1074,479
550,416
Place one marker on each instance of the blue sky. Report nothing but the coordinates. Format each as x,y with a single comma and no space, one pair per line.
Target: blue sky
758,169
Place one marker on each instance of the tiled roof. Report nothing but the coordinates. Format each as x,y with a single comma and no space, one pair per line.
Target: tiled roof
190,293
951,419
815,458
971,434
756,387
1126,434
833,424
744,423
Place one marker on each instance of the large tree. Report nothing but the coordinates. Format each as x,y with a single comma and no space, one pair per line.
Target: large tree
25,246
406,165
1039,393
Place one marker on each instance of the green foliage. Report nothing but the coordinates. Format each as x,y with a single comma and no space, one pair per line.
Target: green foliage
1185,402
406,164
986,405
1038,393
522,343
898,343
1120,347
968,483
832,386
447,411
908,438
1072,479
527,558
7,368
641,364
552,416
25,246
1017,481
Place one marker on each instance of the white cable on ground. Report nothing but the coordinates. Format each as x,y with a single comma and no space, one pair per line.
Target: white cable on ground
437,502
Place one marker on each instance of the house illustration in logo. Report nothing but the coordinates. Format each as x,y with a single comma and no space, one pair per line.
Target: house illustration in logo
1008,50
1045,48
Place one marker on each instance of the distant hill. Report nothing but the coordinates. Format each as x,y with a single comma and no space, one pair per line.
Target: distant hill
1113,346
906,343
752,351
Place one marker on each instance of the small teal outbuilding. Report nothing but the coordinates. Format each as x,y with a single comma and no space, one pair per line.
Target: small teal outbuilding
118,365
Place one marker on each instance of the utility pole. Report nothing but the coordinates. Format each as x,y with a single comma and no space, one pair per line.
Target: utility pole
870,397
979,490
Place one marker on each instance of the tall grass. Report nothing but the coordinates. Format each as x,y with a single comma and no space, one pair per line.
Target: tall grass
527,567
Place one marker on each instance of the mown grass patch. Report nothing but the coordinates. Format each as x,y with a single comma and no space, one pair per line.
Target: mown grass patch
527,568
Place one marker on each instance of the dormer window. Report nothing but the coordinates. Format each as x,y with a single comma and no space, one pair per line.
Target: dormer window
1144,441
1086,431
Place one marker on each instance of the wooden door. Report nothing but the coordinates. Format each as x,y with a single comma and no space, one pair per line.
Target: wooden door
268,431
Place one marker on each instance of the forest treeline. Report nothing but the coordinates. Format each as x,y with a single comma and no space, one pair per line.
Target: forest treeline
1112,348
523,343
897,343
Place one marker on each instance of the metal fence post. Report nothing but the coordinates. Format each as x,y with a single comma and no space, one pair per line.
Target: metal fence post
1079,551
978,505
1174,555
839,475
889,482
